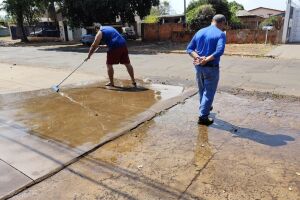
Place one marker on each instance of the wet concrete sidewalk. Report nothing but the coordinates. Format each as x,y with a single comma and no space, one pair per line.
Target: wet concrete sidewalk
251,152
41,132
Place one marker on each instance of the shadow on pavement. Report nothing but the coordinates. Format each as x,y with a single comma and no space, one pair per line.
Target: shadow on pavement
84,49
252,134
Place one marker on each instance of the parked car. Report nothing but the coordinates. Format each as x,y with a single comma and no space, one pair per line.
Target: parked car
129,33
87,39
267,28
45,33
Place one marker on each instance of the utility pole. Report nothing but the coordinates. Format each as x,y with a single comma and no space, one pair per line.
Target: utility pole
184,11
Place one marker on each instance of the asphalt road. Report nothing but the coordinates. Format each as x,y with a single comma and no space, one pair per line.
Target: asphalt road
259,74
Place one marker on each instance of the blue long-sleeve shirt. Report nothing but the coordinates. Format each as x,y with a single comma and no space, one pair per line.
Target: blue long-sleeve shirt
209,41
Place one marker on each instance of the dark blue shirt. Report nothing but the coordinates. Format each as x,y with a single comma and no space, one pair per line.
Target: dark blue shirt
112,38
209,41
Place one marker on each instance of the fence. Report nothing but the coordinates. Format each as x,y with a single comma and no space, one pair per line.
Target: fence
165,32
180,33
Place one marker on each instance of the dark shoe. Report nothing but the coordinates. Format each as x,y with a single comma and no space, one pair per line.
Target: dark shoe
134,84
205,121
211,108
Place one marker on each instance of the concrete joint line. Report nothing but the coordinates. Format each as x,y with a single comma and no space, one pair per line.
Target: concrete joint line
16,169
196,176
160,108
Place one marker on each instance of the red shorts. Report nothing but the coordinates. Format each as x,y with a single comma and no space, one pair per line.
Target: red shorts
118,56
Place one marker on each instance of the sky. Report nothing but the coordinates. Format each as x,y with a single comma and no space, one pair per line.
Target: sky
177,5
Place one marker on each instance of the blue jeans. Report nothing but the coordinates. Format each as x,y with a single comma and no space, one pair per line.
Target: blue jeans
207,79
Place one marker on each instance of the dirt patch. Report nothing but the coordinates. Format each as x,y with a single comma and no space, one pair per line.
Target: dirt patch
260,95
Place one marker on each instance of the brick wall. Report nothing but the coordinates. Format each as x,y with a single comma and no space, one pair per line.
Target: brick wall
246,36
161,32
179,33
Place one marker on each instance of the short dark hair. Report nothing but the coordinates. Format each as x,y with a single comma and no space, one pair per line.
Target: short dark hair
219,18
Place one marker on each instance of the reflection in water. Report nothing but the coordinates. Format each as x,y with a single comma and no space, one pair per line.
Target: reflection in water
203,150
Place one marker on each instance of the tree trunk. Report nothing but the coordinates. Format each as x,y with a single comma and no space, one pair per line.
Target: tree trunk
20,22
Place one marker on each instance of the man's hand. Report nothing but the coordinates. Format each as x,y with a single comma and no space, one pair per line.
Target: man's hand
206,60
85,60
198,60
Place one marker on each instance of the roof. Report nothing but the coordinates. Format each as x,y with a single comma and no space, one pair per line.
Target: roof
266,9
171,16
244,13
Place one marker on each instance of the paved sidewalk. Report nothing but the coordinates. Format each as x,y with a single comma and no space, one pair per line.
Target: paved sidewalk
251,152
287,51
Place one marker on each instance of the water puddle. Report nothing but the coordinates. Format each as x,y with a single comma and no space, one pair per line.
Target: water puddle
83,115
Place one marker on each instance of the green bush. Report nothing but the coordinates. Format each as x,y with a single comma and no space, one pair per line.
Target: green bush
200,17
151,19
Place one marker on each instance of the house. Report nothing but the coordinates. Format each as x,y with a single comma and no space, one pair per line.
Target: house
291,29
266,12
249,20
164,19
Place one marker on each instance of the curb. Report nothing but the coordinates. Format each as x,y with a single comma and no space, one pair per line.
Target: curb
184,52
142,118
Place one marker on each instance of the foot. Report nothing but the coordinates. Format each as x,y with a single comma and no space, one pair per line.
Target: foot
211,108
205,121
109,84
134,84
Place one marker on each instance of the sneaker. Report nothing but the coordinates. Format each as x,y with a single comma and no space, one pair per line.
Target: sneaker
134,84
205,121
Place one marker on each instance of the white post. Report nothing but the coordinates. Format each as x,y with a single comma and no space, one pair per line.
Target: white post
267,32
287,22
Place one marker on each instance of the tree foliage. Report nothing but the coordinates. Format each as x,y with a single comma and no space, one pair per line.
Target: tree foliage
164,8
200,16
85,13
234,8
24,11
275,21
220,6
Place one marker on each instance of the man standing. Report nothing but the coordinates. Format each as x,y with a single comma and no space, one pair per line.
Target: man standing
117,51
206,48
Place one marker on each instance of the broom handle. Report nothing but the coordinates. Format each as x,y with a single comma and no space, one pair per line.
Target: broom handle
75,70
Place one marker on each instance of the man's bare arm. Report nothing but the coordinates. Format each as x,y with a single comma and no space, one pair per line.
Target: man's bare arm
95,44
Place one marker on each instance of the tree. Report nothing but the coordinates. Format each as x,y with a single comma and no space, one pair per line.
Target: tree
85,13
200,16
164,8
23,11
275,21
234,8
220,6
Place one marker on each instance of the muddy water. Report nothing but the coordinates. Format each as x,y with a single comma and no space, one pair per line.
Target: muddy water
80,116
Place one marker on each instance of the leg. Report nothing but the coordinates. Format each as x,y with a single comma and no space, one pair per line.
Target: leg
130,72
200,83
211,80
110,72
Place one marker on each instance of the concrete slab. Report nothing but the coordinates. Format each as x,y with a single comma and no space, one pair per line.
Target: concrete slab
251,152
11,179
31,155
41,132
